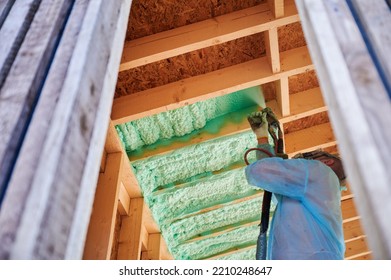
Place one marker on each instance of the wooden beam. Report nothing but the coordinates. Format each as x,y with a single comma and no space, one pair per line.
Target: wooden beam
144,237
272,49
129,246
375,19
347,85
155,242
203,34
58,164
362,256
277,7
304,104
112,145
356,246
217,83
24,32
282,94
101,229
149,222
124,200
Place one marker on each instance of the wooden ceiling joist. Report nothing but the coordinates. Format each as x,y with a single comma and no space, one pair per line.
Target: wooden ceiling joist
204,34
277,7
213,84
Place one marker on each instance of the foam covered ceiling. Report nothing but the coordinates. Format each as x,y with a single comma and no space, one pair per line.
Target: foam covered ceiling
198,194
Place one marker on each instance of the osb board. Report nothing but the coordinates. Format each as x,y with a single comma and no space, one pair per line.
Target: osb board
297,83
190,64
306,122
269,91
302,82
153,16
290,36
117,229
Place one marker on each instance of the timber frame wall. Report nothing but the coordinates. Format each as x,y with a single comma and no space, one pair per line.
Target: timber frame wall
58,69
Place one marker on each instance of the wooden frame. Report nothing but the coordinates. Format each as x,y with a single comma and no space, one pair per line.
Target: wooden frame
364,140
55,173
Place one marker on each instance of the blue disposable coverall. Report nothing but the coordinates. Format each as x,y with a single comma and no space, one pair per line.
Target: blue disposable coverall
307,223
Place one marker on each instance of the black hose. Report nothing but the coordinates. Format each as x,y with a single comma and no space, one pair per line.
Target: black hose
266,201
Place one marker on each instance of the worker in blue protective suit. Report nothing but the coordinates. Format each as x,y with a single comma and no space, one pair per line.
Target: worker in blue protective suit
307,222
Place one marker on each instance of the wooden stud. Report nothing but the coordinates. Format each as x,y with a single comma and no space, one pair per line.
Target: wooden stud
217,83
272,49
149,222
277,7
282,94
101,229
376,20
124,200
112,145
129,247
155,246
203,34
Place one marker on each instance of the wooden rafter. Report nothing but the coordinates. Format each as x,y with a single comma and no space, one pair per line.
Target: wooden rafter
217,83
204,34
277,7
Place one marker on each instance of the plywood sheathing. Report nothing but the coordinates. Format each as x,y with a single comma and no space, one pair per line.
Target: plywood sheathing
302,82
190,64
306,122
290,36
153,16
200,61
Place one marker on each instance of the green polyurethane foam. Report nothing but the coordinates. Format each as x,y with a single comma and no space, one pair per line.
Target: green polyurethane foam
240,237
179,185
185,120
218,189
187,162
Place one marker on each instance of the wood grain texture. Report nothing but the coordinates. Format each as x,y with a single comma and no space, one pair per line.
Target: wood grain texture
348,80
68,166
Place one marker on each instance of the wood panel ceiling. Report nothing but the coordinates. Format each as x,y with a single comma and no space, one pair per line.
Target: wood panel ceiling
180,52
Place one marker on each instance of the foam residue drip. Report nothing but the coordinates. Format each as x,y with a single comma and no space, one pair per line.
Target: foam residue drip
182,121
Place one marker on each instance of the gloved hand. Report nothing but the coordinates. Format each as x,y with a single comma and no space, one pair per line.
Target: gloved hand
259,124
